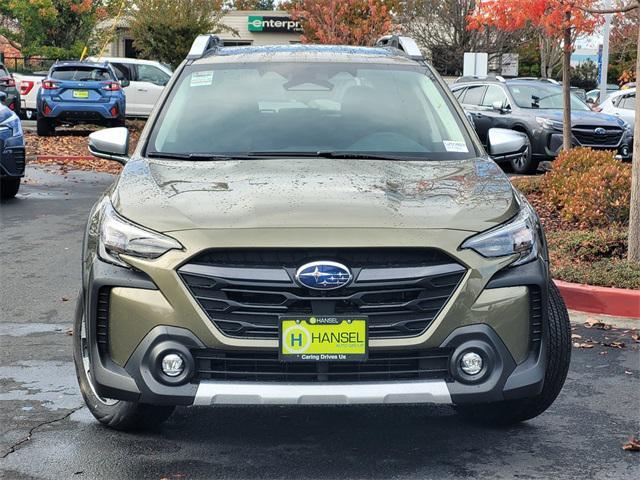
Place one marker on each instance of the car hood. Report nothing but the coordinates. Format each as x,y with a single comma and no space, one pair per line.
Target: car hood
166,195
583,118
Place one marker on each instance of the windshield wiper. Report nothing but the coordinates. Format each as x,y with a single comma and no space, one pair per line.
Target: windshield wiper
335,154
198,156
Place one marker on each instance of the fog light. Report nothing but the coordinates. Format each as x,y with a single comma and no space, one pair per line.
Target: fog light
172,365
471,363
625,151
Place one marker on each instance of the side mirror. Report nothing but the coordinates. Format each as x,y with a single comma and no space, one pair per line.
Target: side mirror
504,144
498,106
124,83
111,144
3,97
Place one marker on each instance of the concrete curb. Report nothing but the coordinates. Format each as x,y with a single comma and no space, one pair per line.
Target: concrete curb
618,302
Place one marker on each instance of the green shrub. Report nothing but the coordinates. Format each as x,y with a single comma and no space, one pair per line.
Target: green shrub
588,188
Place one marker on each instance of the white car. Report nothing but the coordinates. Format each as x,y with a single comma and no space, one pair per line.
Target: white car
29,86
621,104
147,80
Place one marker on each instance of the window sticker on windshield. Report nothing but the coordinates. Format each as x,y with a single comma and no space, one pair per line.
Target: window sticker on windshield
201,79
454,146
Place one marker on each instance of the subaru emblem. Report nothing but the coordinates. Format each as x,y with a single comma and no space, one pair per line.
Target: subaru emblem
323,275
600,131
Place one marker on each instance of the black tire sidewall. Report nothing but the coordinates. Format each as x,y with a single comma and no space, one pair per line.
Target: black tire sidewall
530,166
9,187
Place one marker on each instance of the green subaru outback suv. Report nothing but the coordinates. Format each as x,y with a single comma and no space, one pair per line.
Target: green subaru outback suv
314,225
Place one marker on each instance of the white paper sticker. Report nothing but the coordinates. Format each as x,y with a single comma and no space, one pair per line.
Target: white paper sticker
200,79
455,146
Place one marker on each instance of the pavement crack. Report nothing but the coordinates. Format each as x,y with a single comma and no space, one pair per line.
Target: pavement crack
28,437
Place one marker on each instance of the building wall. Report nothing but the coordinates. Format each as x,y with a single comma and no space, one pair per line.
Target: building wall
236,20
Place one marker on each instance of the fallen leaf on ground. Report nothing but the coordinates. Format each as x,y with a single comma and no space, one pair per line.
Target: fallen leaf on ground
628,372
583,345
636,337
614,344
65,299
633,445
593,323
575,336
69,332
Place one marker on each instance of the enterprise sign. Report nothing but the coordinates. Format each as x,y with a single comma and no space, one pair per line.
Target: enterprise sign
259,23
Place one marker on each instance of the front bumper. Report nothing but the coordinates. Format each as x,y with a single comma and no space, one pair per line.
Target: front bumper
549,145
517,366
12,156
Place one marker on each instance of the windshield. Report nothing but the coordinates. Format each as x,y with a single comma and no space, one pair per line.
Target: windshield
543,97
81,74
276,109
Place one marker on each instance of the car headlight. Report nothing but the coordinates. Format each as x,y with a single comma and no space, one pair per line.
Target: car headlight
549,124
11,124
119,236
520,235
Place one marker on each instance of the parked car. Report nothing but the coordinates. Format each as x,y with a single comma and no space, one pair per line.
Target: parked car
147,80
312,224
593,96
621,104
80,92
29,86
12,151
8,87
535,108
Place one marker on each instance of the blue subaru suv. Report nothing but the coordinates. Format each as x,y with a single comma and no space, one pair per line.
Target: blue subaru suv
80,92
12,153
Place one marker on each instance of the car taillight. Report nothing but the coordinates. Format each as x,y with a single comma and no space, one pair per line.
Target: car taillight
47,109
114,111
111,86
25,86
11,106
8,82
49,85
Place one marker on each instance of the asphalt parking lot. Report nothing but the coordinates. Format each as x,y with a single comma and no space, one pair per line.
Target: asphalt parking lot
45,432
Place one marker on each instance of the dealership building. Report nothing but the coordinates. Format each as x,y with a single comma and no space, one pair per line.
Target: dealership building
247,27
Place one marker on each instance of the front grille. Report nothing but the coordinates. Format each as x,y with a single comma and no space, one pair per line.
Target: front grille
587,136
245,291
265,367
535,317
102,320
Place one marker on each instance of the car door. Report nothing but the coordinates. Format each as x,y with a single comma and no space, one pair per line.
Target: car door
150,82
471,101
493,111
626,108
126,71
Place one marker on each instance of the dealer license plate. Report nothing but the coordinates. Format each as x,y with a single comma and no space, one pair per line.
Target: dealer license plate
323,339
80,94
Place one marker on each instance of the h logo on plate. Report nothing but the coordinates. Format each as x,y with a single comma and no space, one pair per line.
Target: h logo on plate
296,339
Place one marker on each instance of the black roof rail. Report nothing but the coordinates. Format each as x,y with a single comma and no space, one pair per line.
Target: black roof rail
203,44
406,44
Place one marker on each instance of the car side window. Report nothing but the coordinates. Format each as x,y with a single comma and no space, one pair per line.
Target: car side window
458,93
629,102
149,73
473,95
122,71
494,94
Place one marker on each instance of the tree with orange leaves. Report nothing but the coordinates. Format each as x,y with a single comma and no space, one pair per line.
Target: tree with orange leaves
347,22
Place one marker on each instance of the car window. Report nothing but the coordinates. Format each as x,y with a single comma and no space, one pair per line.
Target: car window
543,96
149,73
494,94
473,95
123,71
310,108
81,74
458,92
629,102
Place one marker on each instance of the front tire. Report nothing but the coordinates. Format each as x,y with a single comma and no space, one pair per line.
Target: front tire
116,414
525,164
558,350
9,187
